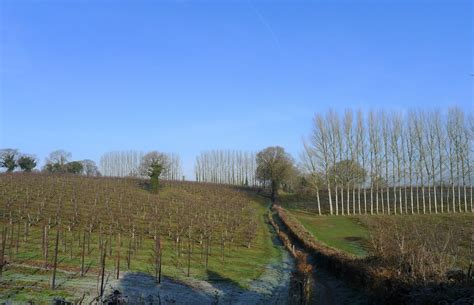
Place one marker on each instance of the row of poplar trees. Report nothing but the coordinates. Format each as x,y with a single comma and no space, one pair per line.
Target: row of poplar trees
227,167
378,162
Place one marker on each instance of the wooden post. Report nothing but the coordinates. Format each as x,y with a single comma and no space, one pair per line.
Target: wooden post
83,252
104,254
55,263
2,252
118,255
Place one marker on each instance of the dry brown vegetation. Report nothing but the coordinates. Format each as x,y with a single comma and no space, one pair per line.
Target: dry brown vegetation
423,249
411,261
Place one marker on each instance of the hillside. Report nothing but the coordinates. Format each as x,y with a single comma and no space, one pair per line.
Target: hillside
207,232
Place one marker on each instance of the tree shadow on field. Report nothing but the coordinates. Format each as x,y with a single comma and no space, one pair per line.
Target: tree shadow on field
138,287
360,244
230,292
215,277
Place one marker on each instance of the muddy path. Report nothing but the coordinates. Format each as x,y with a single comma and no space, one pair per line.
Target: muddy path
325,288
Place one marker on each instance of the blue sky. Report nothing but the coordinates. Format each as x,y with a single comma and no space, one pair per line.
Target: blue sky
187,76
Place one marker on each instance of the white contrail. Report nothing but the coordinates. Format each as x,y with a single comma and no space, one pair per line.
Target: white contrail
266,24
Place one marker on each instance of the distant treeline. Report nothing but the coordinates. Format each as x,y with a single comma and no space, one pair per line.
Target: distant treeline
227,166
127,163
373,162
58,162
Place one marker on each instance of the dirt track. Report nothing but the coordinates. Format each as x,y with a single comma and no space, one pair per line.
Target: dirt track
326,289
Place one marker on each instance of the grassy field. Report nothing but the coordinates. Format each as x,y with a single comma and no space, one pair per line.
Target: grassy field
25,278
345,233
351,234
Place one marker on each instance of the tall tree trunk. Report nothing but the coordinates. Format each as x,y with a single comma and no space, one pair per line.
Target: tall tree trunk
330,199
358,199
387,190
423,198
465,197
459,198
448,205
472,206
274,190
319,203
400,198
347,200
429,195
377,199
365,200
454,198
354,201
381,190
418,199
342,200
411,193
371,200
441,195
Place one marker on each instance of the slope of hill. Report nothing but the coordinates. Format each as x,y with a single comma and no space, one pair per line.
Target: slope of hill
77,225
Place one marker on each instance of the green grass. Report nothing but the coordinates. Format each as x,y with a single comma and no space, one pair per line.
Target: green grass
351,233
344,233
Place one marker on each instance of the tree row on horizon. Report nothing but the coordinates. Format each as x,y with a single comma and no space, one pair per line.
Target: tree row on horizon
354,162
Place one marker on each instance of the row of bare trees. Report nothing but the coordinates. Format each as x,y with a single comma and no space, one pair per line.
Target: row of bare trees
376,162
127,164
226,166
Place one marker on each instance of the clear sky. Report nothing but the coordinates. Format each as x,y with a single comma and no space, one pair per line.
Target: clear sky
187,76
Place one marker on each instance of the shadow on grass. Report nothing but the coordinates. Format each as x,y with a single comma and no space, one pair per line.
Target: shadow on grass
213,276
232,293
138,287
